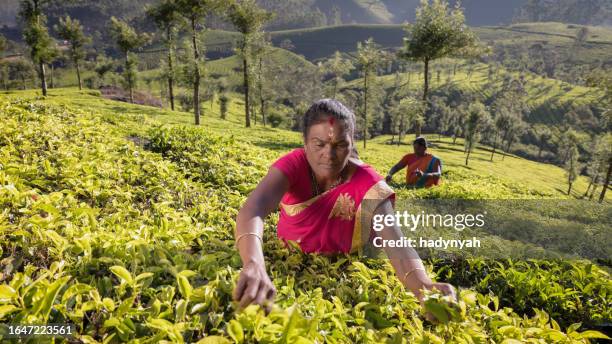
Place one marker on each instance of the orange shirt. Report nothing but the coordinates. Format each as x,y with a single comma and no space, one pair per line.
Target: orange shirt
414,162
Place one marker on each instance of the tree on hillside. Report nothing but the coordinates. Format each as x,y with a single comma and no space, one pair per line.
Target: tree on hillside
337,67
581,36
437,32
3,44
571,153
263,77
167,18
369,59
406,113
605,158
22,69
477,117
596,164
128,40
603,80
249,19
71,30
543,136
36,36
195,11
103,66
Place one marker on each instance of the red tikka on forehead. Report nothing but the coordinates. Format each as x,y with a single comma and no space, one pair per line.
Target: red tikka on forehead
331,120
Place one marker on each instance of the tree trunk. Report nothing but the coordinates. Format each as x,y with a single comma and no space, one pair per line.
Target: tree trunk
494,146
467,158
569,189
540,152
263,112
606,183
43,78
196,76
335,88
262,102
586,193
78,70
365,108
129,79
245,74
170,68
51,84
417,125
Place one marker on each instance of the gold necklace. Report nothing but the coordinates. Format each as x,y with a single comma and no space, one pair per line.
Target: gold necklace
316,185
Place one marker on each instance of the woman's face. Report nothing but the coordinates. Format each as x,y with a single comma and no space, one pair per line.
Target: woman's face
328,145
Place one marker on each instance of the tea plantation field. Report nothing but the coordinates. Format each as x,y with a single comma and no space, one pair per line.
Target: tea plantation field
120,218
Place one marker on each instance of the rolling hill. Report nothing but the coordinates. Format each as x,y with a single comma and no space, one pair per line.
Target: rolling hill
321,42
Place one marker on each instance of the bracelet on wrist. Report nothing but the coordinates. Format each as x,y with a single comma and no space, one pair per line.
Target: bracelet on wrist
245,234
410,272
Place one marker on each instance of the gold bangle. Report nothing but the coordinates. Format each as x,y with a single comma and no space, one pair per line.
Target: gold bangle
411,271
245,234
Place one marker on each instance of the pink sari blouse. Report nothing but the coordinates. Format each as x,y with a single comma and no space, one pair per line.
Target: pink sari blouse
336,221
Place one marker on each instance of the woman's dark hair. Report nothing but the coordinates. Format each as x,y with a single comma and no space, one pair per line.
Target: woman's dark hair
324,108
421,141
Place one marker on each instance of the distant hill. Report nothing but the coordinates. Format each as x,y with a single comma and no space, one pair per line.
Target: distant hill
313,13
478,12
321,42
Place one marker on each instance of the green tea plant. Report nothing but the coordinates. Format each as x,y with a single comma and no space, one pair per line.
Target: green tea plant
135,245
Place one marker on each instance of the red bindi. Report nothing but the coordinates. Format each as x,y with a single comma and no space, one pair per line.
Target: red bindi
331,120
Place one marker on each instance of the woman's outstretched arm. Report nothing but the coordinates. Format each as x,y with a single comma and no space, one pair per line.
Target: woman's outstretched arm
254,285
405,260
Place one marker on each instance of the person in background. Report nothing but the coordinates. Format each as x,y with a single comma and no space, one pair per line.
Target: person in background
422,168
324,192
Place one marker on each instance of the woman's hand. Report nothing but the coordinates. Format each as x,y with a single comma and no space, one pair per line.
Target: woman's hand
444,288
254,286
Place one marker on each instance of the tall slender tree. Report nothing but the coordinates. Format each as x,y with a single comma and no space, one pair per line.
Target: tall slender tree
249,19
369,58
128,40
337,67
476,119
167,18
195,11
36,35
71,30
3,44
437,32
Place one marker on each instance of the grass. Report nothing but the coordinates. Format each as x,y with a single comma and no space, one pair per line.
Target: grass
523,177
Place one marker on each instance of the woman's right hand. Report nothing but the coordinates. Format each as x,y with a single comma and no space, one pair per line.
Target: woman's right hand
254,286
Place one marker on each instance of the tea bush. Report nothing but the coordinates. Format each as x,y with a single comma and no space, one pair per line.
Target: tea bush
133,245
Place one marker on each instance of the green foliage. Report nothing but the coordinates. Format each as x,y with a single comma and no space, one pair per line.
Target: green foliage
570,292
369,59
72,31
438,32
476,120
126,38
136,245
337,67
